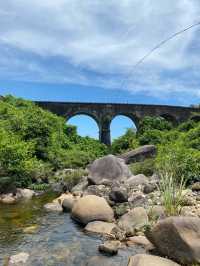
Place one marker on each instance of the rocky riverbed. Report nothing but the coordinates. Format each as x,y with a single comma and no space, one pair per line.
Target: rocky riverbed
110,218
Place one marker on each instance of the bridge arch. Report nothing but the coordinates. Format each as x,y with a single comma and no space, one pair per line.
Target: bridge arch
170,118
121,122
92,119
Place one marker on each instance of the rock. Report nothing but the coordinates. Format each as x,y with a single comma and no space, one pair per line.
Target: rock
61,198
193,211
92,208
196,186
144,260
139,154
68,203
110,247
101,261
53,207
98,190
156,212
133,220
108,168
25,193
30,229
7,199
177,238
137,180
102,228
80,187
118,195
19,259
137,199
121,209
140,240
149,188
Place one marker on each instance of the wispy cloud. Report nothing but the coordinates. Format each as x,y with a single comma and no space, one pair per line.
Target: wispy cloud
98,42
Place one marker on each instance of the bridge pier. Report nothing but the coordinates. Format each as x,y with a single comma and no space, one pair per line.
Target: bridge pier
104,134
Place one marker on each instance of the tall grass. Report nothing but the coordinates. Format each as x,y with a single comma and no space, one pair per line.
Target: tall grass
171,193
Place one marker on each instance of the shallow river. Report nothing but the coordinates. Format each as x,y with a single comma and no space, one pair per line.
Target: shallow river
58,241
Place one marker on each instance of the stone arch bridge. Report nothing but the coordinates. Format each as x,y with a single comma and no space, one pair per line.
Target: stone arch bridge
104,113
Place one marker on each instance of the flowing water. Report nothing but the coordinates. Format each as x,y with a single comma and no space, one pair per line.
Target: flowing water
51,238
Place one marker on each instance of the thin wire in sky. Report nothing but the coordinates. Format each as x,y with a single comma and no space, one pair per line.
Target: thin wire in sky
155,48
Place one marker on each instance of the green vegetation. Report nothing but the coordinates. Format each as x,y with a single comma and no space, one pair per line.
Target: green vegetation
35,143
126,142
171,193
178,148
147,167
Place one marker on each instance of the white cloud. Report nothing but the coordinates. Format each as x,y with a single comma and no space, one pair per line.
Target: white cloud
99,41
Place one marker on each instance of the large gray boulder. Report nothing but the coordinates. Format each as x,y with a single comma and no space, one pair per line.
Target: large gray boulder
92,208
139,154
177,238
144,260
133,220
108,169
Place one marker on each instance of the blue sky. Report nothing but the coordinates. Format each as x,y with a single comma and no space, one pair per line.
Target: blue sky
72,50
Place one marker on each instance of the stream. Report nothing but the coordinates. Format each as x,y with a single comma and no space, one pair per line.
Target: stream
55,241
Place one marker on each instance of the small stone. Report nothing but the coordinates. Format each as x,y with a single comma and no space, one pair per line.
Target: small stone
30,229
118,195
8,199
149,188
19,259
196,186
101,228
140,240
110,247
53,207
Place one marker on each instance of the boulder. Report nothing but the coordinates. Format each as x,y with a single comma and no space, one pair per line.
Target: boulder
101,261
98,190
68,203
80,187
149,188
53,207
19,259
133,220
144,260
137,199
137,180
177,238
8,198
108,168
118,195
102,228
110,247
141,241
156,212
196,186
139,154
25,193
92,208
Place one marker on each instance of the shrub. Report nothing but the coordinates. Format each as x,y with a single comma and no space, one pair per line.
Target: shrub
147,167
35,142
152,136
124,143
151,123
179,161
